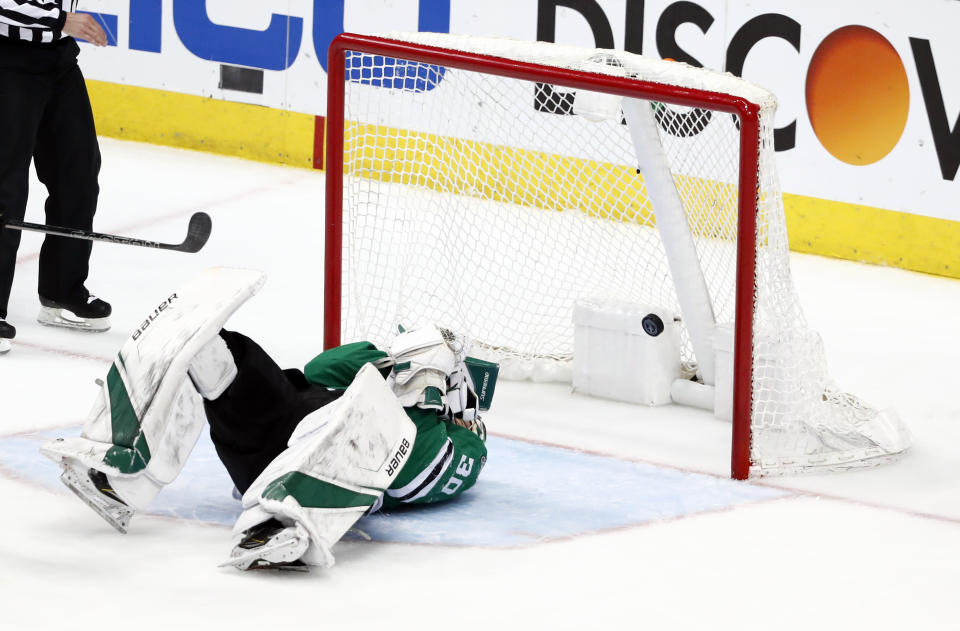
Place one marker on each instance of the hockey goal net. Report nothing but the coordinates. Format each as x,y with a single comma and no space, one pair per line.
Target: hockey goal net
488,185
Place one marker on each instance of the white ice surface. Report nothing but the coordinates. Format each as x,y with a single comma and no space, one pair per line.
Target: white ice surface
878,548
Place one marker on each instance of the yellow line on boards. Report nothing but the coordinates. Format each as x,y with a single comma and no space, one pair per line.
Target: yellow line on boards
873,235
206,124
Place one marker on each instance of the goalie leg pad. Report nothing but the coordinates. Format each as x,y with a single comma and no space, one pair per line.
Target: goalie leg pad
335,471
148,416
138,467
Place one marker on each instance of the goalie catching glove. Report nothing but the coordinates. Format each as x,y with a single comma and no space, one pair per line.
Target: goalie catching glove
469,391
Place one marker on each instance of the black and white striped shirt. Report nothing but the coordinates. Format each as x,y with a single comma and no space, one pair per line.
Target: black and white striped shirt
38,21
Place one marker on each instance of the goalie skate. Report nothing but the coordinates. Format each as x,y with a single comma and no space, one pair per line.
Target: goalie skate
92,487
4,345
270,546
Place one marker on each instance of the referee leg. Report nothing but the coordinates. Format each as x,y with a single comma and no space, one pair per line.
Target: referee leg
22,99
67,158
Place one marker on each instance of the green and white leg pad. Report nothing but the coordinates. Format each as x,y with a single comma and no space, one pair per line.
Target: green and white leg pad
337,466
148,415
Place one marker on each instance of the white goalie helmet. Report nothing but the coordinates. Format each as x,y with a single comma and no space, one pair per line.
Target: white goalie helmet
432,371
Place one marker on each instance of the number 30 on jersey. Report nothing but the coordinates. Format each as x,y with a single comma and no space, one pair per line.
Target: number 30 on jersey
456,480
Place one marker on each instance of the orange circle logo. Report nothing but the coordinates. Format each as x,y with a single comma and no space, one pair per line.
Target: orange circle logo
857,95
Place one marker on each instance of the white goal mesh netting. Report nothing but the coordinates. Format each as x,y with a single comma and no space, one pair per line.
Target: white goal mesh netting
483,203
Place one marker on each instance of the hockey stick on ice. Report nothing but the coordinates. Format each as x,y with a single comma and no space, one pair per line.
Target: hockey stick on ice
198,231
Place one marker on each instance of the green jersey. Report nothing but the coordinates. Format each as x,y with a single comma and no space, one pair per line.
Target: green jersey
446,458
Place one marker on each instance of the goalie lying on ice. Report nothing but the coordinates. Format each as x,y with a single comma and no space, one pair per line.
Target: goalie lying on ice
359,429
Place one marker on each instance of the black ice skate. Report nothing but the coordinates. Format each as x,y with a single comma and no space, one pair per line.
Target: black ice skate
7,333
89,314
94,489
270,546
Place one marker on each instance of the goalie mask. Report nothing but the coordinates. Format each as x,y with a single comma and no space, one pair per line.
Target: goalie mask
432,371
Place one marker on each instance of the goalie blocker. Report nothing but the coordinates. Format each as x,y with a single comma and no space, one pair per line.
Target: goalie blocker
312,451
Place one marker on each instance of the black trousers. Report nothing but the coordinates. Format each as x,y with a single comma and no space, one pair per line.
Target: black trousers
251,422
45,115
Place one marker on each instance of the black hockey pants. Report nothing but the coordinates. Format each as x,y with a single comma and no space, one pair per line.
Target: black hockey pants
252,421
